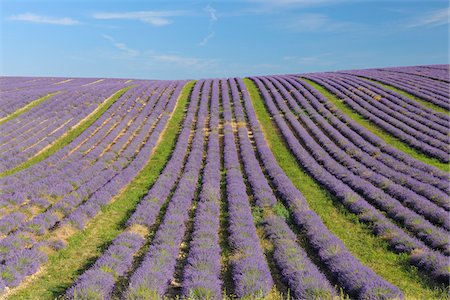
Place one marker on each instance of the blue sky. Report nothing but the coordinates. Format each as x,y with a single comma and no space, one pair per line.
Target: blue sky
196,39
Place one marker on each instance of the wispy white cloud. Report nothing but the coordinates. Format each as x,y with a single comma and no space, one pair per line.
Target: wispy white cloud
34,18
212,20
121,46
317,22
156,18
212,13
431,19
206,39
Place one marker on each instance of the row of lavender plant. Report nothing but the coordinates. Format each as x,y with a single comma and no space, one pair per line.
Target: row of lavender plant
201,275
369,142
98,283
153,276
298,103
130,116
302,277
396,128
423,229
250,272
101,196
410,122
45,125
431,262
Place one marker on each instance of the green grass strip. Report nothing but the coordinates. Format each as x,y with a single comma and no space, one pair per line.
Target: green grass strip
369,249
70,135
84,247
378,131
412,97
26,108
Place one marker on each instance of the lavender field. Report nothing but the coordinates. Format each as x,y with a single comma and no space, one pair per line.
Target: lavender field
328,185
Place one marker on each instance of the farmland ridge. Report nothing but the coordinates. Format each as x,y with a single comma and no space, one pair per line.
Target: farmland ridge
330,185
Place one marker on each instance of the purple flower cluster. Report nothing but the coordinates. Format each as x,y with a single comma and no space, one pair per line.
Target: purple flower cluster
19,265
346,269
250,272
98,281
11,222
201,277
305,281
153,276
